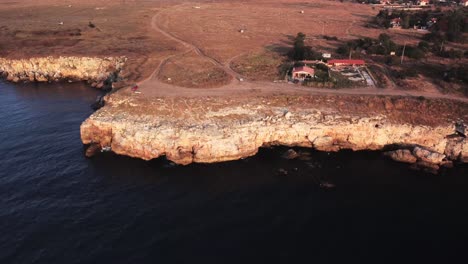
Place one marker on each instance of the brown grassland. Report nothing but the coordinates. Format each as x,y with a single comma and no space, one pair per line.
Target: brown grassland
203,44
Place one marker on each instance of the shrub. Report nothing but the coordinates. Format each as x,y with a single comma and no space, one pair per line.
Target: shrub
342,50
330,37
414,53
392,60
455,54
302,52
424,45
405,73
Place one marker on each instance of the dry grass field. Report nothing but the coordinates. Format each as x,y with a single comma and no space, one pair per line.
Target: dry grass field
263,66
214,27
191,70
195,44
34,29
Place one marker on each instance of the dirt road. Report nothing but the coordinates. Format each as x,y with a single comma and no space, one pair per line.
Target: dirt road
155,24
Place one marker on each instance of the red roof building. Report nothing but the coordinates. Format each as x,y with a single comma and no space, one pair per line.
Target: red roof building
423,2
302,72
345,62
395,23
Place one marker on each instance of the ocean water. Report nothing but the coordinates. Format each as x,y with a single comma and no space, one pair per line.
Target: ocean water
56,206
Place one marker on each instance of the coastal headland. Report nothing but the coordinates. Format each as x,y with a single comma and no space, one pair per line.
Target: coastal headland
208,85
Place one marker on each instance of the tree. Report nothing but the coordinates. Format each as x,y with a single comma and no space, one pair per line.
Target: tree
405,21
300,51
299,47
414,53
455,23
387,44
424,45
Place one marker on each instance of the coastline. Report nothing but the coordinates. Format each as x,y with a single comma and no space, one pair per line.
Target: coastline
217,129
98,72
221,127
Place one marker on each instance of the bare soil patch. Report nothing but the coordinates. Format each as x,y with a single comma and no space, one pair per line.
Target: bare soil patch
191,70
262,65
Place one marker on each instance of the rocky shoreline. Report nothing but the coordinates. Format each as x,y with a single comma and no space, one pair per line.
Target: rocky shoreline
98,72
187,130
217,129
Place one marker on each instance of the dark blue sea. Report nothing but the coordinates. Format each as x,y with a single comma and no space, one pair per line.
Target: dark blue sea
56,206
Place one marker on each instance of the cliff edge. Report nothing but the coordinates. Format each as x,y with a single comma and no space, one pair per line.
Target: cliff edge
52,69
216,129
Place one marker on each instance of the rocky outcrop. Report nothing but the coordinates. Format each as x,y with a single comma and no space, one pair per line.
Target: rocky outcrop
402,155
52,69
290,154
212,130
424,159
428,156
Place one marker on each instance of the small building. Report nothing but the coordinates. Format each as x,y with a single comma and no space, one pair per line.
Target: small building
423,2
395,23
346,62
303,72
431,22
326,55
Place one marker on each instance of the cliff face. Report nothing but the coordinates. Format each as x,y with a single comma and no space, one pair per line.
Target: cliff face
49,69
214,130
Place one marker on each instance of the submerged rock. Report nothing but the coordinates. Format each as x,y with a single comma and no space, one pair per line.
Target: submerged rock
92,150
290,154
426,166
428,156
402,155
282,172
327,185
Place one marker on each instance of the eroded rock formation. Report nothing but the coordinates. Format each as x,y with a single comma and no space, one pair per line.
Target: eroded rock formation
206,130
51,69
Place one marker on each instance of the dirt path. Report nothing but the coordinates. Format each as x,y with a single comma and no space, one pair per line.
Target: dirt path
156,26
348,29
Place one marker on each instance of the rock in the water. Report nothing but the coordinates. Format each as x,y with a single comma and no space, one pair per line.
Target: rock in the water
426,166
428,156
447,164
92,150
327,185
401,155
304,155
282,172
290,154
453,149
464,153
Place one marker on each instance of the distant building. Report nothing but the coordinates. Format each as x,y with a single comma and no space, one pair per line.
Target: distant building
346,62
326,55
423,2
395,23
303,72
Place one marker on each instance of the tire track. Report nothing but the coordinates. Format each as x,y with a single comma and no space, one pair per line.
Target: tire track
191,47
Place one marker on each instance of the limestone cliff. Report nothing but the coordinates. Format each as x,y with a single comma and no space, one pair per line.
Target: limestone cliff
206,130
48,69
